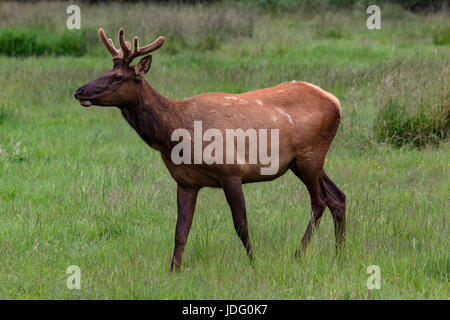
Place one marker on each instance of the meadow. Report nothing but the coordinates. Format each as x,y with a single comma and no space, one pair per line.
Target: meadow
79,187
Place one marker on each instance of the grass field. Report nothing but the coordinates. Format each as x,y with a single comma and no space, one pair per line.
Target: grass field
79,187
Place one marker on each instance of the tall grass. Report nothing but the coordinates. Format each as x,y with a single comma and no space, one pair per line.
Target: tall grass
428,125
414,110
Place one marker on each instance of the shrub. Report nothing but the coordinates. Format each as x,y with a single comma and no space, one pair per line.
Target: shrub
331,33
426,125
417,5
37,42
441,36
414,5
210,41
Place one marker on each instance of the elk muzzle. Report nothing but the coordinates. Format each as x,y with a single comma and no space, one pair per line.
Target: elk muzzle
79,96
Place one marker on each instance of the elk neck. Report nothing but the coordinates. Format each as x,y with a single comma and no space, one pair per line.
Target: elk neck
152,116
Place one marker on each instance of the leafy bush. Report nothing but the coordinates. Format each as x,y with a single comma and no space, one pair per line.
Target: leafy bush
415,5
331,33
427,125
441,36
37,42
274,4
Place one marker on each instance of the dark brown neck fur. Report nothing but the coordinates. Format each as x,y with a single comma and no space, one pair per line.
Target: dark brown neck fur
148,113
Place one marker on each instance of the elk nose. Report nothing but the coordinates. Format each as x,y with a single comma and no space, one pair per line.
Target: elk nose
78,93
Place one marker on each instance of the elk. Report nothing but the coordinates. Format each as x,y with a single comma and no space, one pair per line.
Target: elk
306,117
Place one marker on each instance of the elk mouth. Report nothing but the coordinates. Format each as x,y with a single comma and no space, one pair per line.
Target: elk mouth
85,103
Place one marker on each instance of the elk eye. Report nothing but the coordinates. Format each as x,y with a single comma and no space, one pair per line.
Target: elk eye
117,78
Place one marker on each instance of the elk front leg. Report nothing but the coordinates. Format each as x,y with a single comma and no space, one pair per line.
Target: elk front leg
235,198
186,199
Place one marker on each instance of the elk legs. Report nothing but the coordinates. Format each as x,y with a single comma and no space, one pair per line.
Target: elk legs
186,199
323,192
232,188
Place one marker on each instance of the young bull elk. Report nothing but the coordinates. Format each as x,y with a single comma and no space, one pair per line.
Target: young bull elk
306,117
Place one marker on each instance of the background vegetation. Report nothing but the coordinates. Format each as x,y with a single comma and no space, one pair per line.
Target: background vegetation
78,186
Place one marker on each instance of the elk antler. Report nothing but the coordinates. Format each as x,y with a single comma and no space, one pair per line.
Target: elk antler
129,55
109,44
125,53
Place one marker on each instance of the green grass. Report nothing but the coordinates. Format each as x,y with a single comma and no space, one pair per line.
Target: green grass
79,187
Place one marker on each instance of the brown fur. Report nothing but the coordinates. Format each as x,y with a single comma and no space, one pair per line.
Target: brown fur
307,118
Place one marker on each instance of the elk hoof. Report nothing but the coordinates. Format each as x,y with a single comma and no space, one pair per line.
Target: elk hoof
300,253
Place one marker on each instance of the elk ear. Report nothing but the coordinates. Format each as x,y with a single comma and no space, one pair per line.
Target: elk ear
143,66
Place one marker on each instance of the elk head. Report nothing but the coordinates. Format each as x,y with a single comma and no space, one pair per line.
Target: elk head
119,86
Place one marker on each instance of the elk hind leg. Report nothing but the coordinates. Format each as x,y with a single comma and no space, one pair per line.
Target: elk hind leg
311,177
336,204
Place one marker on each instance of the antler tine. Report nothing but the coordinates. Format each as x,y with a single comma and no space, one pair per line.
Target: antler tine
137,52
152,46
111,43
129,55
135,44
123,45
108,44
